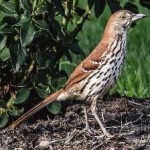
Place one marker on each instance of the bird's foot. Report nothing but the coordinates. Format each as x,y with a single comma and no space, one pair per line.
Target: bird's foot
106,136
87,129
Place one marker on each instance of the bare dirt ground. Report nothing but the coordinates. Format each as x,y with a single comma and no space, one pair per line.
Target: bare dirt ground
126,118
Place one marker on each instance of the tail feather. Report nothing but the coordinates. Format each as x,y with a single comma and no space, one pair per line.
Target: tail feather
36,108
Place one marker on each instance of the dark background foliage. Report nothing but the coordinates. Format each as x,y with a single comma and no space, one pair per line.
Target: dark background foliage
35,36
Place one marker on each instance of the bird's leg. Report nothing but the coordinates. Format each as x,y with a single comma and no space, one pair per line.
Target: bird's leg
87,126
94,112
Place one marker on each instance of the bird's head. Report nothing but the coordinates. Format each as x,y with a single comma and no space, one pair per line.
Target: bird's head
121,20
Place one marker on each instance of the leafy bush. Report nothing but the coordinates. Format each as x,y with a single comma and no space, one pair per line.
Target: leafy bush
35,36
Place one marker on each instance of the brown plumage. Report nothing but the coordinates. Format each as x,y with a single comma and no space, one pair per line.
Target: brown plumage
98,72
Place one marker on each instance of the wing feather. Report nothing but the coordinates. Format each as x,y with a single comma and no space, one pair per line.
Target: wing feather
87,66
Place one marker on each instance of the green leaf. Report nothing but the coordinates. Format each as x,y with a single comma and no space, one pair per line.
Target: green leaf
4,54
18,55
15,112
55,107
66,65
23,20
10,102
41,24
99,7
3,119
8,8
41,10
145,3
39,33
21,56
27,33
42,91
59,79
22,95
25,4
1,17
3,40
3,25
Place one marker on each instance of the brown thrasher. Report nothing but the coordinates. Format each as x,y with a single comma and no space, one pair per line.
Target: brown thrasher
98,72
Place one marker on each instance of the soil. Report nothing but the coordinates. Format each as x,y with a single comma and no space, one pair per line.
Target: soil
128,119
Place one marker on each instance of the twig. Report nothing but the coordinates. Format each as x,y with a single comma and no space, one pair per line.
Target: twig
70,137
67,13
80,23
27,74
130,122
132,102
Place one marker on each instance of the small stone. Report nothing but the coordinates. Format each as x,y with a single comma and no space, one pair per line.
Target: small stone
44,143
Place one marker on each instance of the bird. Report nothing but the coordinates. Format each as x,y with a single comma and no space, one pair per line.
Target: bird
97,73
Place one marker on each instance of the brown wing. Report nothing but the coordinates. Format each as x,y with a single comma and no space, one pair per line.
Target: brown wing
87,66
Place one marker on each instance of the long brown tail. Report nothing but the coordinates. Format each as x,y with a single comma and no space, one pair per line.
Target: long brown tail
36,108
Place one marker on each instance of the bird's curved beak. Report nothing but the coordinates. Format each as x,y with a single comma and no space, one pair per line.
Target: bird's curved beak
138,16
